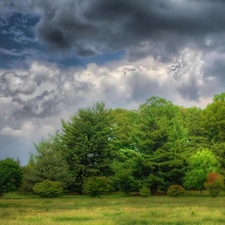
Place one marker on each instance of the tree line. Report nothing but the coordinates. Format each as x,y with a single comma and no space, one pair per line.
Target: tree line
158,145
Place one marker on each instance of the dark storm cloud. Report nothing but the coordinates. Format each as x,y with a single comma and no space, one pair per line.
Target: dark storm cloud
43,105
214,66
142,85
189,90
92,27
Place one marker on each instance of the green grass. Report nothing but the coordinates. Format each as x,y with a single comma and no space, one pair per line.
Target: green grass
113,209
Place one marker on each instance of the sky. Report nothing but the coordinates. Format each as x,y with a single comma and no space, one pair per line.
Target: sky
58,56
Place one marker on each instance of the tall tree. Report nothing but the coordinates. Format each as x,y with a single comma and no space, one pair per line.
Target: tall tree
87,143
169,160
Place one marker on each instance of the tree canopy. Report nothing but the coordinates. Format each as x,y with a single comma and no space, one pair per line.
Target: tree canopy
10,176
158,145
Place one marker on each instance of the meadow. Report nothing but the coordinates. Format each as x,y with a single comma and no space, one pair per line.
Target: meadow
113,209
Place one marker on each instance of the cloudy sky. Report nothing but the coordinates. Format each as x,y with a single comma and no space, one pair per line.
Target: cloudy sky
57,56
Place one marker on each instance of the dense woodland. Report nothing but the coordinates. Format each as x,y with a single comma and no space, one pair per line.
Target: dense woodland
155,146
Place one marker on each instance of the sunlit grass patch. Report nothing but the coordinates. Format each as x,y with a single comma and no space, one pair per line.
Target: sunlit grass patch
110,210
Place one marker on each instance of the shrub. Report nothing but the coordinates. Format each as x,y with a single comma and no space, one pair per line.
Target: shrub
94,186
145,191
176,190
214,184
48,189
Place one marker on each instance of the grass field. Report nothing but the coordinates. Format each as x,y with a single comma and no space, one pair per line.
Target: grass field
113,209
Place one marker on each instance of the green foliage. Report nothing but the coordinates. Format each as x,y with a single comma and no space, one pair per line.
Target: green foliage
214,119
169,167
95,186
158,145
176,190
28,181
155,118
86,141
199,165
125,181
10,176
124,127
219,97
195,179
49,164
48,189
214,184
219,151
130,170
145,191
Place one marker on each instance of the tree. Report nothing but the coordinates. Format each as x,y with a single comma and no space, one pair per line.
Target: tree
50,164
214,184
86,140
47,163
199,165
219,97
214,119
10,176
219,150
169,160
155,118
169,167
132,171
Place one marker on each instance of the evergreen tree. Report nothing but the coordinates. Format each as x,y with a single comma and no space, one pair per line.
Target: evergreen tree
154,120
86,140
50,164
47,163
131,170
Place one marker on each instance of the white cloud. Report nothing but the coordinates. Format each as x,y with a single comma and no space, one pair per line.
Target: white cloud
58,93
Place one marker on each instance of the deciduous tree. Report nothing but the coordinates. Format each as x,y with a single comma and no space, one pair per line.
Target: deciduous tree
10,176
199,165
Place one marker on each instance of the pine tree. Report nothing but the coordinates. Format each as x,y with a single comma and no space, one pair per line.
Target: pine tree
86,140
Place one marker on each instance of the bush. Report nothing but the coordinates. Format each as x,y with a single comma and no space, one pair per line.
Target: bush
214,184
48,189
176,190
94,186
145,192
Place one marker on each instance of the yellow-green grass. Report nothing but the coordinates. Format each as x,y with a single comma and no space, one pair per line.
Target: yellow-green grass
113,209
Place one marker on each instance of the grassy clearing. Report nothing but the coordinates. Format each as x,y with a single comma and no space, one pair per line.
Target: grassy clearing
113,209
